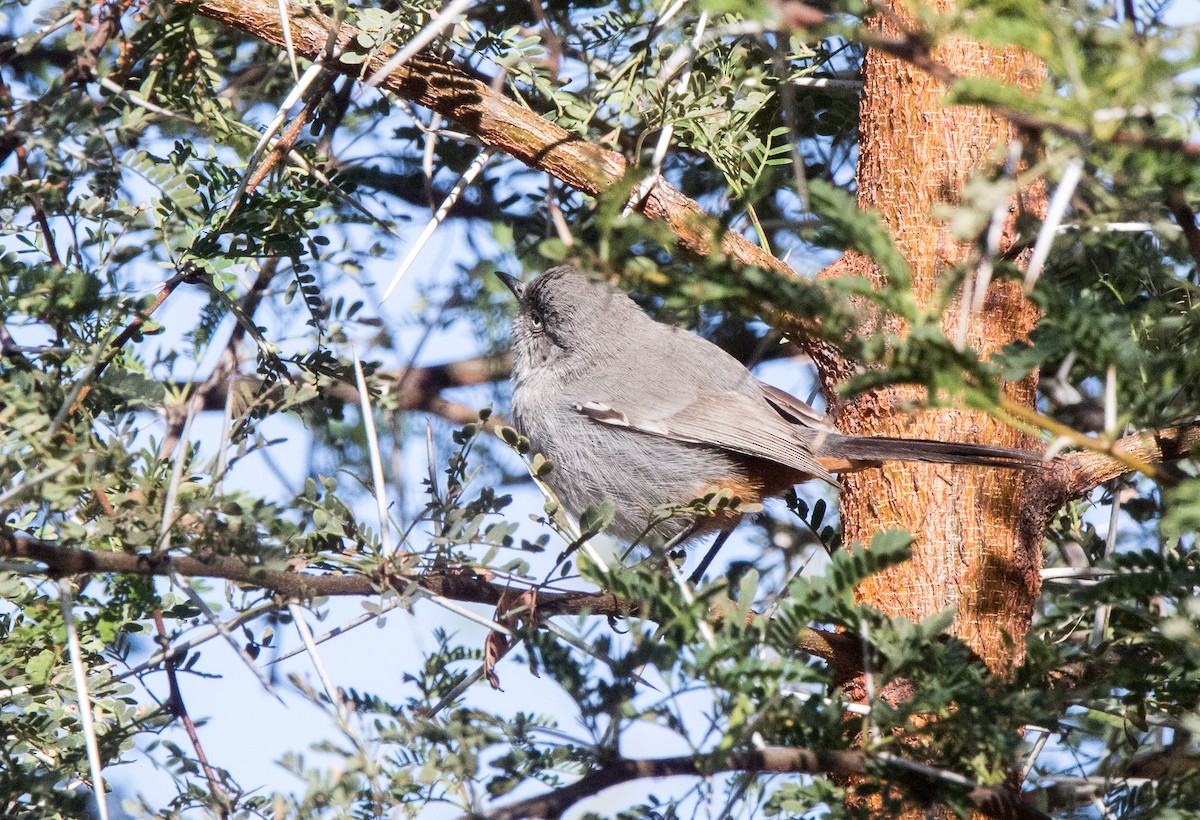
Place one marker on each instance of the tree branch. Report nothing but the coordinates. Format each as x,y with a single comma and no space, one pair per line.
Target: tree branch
1080,472
992,801
463,584
498,121
469,585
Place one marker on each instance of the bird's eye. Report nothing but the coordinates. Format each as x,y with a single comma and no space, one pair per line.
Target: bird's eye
535,322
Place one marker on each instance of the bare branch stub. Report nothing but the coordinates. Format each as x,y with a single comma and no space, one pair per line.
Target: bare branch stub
1079,473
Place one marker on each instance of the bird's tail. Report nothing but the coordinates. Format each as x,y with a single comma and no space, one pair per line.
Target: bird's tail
882,448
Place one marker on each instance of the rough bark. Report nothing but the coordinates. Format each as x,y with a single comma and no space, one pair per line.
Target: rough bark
972,552
976,549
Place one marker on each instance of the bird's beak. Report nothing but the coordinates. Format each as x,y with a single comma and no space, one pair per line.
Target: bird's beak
514,284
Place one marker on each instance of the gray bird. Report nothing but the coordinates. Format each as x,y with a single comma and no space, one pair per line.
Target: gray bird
647,415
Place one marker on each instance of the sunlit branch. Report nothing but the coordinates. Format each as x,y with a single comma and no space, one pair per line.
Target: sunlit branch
498,121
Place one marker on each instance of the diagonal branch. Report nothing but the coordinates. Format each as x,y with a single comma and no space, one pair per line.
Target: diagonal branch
176,708
498,121
992,801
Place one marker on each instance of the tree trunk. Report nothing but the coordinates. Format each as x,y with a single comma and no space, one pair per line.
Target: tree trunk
973,553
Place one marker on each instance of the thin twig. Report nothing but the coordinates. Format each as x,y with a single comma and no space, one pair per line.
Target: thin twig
310,76
1038,745
1102,782
1054,215
439,216
589,650
225,633
137,99
341,711
85,702
664,138
28,39
975,287
787,97
175,651
868,680
689,598
286,22
386,606
684,55
463,685
1034,422
176,708
828,82
379,488
33,481
424,37
431,134
105,355
39,209
1110,545
1082,573
310,646
224,444
283,147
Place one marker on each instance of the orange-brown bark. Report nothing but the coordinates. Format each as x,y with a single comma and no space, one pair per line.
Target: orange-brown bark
976,550
972,551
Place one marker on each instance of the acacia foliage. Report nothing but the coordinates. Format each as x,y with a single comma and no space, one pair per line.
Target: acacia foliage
129,130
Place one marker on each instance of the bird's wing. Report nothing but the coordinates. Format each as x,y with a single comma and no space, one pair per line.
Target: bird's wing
724,419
